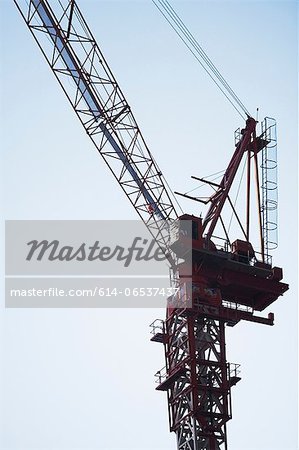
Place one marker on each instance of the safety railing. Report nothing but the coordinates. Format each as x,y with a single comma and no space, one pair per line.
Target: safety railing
161,375
237,306
157,326
269,188
233,370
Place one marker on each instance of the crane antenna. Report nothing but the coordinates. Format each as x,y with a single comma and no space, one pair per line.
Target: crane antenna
200,55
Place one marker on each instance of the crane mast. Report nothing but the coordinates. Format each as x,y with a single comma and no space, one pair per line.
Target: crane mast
218,287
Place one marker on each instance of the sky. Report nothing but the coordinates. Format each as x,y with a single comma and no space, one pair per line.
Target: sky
83,379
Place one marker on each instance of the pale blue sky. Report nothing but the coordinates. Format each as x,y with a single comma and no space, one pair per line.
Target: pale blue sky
84,378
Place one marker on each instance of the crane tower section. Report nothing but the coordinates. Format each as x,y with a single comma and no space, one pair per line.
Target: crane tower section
221,287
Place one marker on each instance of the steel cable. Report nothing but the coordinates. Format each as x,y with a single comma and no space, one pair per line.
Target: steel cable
197,51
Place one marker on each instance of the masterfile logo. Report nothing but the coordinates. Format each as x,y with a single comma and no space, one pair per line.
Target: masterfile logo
87,264
140,250
82,248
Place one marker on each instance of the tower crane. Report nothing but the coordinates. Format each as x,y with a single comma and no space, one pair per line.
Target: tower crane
222,284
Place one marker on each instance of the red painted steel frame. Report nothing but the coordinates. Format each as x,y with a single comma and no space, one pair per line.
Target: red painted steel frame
221,195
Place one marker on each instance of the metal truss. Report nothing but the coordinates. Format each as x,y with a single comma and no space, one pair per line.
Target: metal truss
197,377
197,380
218,199
80,67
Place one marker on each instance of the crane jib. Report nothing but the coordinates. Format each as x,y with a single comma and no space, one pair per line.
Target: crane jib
89,97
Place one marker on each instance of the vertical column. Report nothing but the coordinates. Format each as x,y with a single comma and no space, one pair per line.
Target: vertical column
199,396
